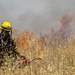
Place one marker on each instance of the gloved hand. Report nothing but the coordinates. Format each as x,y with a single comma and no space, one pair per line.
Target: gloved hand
25,60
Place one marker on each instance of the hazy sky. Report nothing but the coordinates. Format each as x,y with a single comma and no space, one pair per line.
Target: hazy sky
35,15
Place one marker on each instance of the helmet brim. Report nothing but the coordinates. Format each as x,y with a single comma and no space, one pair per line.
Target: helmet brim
1,27
4,29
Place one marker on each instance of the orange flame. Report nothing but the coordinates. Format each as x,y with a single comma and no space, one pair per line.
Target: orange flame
40,56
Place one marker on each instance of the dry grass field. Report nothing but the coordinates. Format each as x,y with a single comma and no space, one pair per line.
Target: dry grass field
58,56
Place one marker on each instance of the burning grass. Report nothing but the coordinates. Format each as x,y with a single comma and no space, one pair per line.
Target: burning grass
57,57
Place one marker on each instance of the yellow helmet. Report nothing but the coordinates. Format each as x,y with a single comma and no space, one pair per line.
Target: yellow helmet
6,26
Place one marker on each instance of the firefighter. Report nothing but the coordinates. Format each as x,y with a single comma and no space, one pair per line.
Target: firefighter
7,41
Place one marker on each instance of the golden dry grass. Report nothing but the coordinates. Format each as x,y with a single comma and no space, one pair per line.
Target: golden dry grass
58,58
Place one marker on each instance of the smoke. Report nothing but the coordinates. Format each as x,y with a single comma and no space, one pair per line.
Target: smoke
35,15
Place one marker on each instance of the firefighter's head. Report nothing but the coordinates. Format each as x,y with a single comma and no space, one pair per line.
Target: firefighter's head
6,26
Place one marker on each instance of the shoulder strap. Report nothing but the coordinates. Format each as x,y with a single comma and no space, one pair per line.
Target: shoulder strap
1,39
10,38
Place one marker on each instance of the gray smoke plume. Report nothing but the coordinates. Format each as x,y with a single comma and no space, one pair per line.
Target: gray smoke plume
35,15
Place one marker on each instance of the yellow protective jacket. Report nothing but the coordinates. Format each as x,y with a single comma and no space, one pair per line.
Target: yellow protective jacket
8,40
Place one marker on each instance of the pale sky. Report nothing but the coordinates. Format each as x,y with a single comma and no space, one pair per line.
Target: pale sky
35,15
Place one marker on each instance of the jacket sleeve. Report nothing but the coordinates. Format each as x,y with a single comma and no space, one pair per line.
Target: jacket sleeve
15,46
14,43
